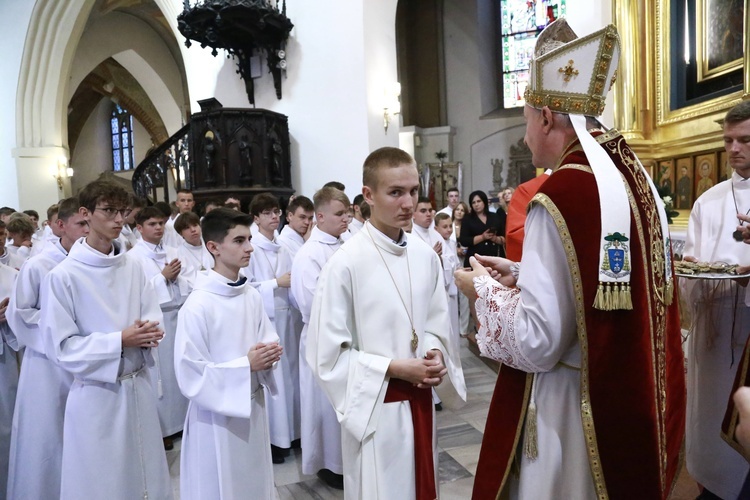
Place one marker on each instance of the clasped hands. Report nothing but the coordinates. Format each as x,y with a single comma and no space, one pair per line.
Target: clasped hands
263,356
142,334
497,268
423,372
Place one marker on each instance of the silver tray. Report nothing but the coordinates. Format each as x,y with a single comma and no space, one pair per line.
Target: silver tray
712,276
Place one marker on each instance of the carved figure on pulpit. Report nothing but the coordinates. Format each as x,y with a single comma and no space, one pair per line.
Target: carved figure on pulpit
277,174
246,162
209,152
497,173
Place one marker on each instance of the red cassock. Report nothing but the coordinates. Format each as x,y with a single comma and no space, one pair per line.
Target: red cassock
516,219
632,370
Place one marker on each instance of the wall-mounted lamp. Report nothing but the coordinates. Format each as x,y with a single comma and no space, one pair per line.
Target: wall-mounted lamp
391,103
61,171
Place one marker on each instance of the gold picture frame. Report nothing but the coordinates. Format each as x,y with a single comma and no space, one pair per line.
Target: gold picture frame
715,28
664,114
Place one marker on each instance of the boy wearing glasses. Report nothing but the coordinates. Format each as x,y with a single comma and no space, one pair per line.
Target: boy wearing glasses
100,317
163,269
270,272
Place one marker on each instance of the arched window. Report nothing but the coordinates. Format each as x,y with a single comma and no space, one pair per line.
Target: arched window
122,139
521,21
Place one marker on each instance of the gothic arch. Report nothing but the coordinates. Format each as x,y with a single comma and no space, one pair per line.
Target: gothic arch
51,41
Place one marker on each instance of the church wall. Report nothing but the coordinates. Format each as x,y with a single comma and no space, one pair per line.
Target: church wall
93,153
470,55
14,20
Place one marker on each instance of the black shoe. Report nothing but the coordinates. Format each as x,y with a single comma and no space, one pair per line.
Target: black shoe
335,481
168,444
438,407
707,495
277,455
296,444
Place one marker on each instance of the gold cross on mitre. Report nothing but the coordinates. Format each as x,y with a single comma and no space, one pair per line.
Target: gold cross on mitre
569,71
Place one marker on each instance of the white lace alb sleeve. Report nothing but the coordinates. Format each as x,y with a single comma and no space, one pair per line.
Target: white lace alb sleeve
532,327
496,312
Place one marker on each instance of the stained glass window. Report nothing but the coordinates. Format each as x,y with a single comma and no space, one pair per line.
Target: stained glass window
121,123
521,21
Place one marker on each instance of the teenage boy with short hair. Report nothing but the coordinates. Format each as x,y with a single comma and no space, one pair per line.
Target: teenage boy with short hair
299,215
129,235
422,229
20,230
379,339
184,203
47,234
37,441
162,268
192,252
9,259
225,351
99,320
270,272
321,431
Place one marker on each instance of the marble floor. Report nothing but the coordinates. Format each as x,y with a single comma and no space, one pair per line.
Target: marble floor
459,440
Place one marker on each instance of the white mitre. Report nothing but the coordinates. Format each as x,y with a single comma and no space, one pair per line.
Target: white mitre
574,75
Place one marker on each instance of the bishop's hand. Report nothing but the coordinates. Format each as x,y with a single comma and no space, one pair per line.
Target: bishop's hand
465,277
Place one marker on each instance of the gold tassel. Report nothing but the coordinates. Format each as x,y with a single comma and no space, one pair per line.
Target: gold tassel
669,294
599,298
615,296
531,447
607,297
628,299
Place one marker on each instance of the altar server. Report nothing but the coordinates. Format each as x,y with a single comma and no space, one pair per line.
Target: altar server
100,317
8,372
193,254
37,441
162,268
299,216
721,316
9,259
321,432
270,272
379,339
423,225
225,351
449,259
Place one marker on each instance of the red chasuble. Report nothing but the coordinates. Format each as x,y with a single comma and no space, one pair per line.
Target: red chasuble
632,371
732,417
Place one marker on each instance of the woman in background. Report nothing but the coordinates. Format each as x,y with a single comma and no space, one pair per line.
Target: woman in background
482,231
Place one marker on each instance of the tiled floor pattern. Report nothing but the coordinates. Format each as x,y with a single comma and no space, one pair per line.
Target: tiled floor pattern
459,439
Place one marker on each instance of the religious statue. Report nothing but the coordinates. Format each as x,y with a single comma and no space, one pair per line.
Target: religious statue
277,174
497,173
209,150
246,162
